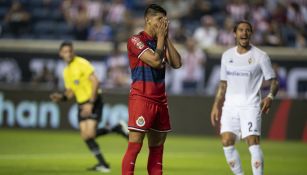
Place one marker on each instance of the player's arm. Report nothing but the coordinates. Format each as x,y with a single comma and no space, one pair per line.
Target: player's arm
172,55
267,101
95,84
218,102
270,75
66,95
87,108
155,58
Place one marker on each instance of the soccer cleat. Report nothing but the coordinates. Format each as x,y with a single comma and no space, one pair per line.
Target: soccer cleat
100,168
124,127
121,129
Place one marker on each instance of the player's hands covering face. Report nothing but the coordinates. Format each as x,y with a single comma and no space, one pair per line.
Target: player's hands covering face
162,28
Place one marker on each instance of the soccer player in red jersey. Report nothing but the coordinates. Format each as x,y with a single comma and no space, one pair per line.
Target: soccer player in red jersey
149,52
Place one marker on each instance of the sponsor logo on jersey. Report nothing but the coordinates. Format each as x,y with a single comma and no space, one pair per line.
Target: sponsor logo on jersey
239,74
135,40
140,45
76,82
140,121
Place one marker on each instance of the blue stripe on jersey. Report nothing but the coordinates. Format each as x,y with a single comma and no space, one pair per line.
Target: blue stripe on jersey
148,74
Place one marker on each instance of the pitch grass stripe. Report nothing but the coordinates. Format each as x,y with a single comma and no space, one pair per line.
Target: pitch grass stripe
73,155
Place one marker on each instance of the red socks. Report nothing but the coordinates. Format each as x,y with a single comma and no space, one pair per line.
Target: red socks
130,158
154,166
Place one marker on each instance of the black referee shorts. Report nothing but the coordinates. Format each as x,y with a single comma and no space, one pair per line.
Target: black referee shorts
97,110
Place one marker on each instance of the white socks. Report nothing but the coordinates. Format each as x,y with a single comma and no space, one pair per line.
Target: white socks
257,159
233,160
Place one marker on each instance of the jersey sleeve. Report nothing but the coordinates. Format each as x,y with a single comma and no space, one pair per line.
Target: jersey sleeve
136,46
223,76
266,68
87,68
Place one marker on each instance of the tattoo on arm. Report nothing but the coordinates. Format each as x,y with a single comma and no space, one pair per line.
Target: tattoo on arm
160,53
274,87
220,94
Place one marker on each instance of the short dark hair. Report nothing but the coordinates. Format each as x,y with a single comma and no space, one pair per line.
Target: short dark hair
242,22
152,9
66,43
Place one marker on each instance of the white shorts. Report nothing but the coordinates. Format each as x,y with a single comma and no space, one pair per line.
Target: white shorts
242,121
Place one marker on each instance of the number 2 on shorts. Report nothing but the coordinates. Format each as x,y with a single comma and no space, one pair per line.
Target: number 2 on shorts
250,124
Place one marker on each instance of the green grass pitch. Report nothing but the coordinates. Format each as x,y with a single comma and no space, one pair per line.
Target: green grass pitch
32,152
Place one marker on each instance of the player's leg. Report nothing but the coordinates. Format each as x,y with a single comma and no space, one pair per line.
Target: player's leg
156,139
156,142
122,129
97,112
92,144
256,154
134,147
230,130
140,114
88,133
102,132
231,154
251,130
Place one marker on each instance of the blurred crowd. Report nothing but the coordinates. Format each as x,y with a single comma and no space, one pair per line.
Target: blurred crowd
276,22
196,24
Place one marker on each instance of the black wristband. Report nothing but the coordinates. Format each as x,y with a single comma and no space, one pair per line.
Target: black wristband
64,97
159,52
91,101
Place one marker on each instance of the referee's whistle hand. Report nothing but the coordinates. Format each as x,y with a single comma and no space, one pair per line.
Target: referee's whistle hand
55,97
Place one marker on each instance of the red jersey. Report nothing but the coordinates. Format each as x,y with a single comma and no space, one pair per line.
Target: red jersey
147,83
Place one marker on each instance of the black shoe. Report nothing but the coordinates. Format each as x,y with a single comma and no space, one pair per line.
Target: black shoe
100,168
122,129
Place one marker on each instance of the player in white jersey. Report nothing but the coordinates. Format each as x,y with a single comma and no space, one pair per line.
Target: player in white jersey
238,101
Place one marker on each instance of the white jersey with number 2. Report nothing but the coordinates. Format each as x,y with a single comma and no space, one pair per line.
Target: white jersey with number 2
244,74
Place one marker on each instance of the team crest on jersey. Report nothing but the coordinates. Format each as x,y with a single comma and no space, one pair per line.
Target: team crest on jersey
140,121
230,60
250,61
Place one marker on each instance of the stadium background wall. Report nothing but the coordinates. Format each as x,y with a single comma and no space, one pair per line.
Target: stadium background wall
189,114
21,54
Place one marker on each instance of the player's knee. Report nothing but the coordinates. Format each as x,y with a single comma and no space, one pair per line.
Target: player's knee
136,137
154,144
156,138
87,135
83,136
253,140
227,141
91,135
